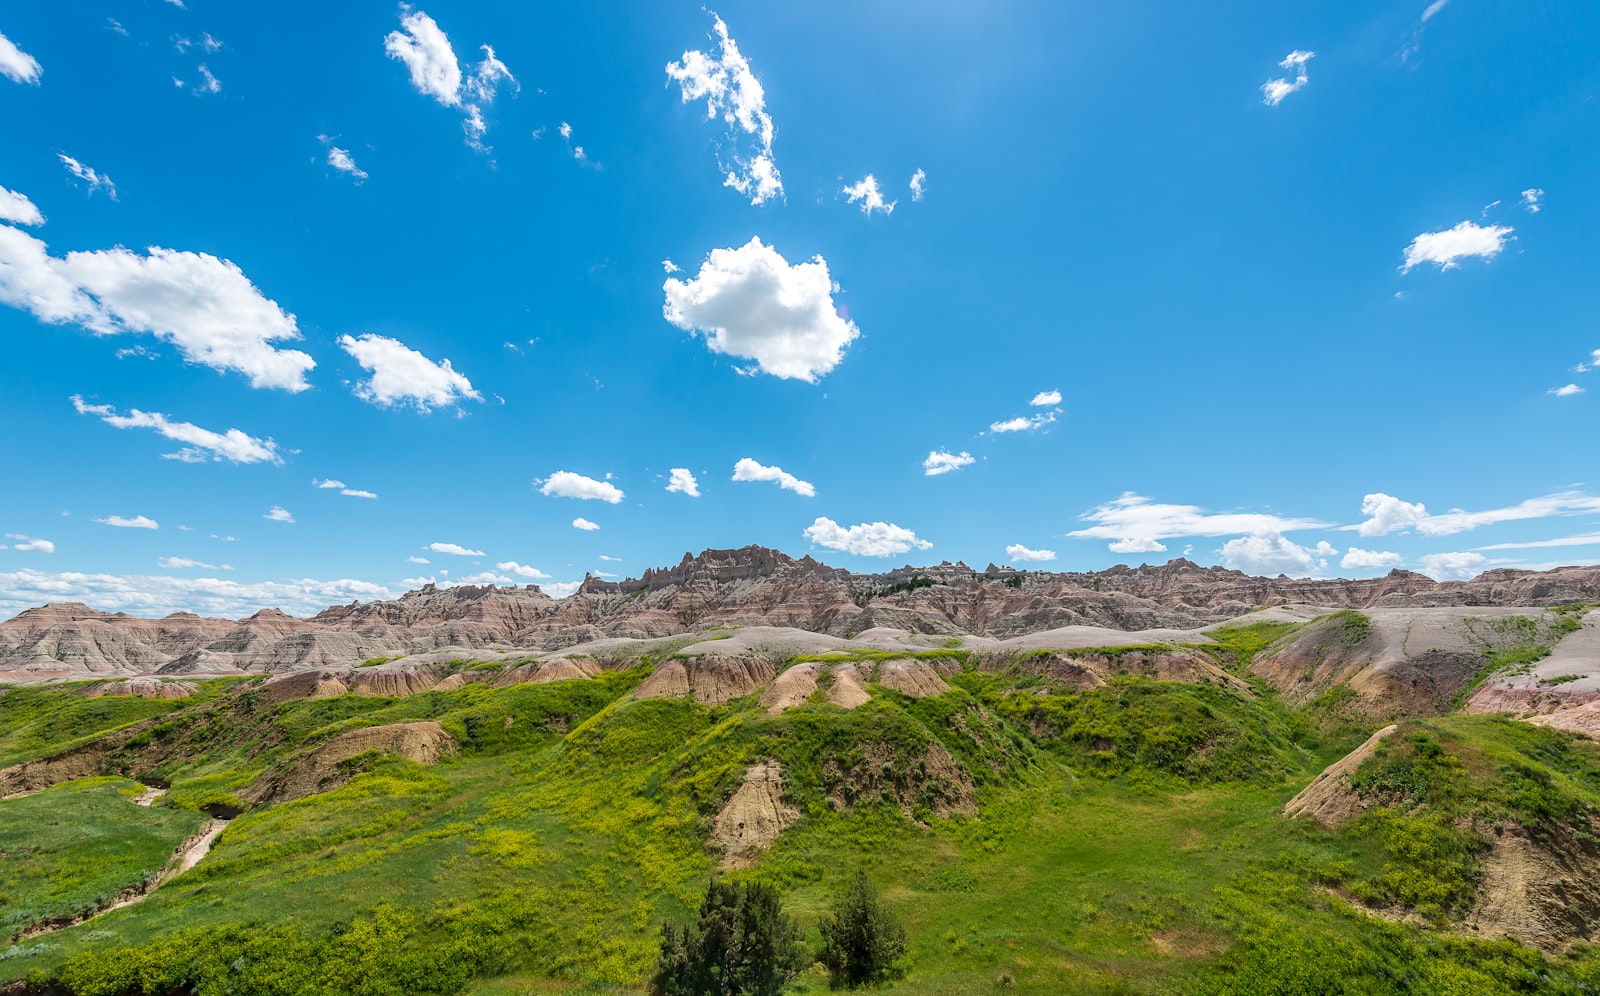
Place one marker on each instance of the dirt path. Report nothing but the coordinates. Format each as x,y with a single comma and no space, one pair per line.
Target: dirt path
185,857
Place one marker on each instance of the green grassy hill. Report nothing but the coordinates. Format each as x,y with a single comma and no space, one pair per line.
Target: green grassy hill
1031,837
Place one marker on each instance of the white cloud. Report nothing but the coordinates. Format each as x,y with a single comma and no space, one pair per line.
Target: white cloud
184,563
1584,539
211,84
1273,91
1268,553
1453,566
328,485
357,493
1357,559
731,89
414,559
942,461
340,160
866,539
1446,248
918,185
454,550
137,522
669,266
209,43
1046,398
1019,553
683,482
30,544
1023,423
522,570
749,470
614,560
1566,391
203,305
233,446
752,304
566,484
1389,514
17,65
401,375
1325,549
87,175
560,589
1433,8
1137,523
17,209
436,73
866,191
1589,364
157,595
278,513
1530,200
581,523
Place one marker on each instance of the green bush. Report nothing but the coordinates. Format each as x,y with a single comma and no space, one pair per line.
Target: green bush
862,939
741,944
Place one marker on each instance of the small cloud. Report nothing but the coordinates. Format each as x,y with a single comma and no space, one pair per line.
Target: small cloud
356,493
403,376
683,482
522,570
414,559
581,523
94,179
455,550
17,65
211,84
669,266
1433,8
560,589
866,191
614,560
1020,554
1530,200
1448,247
943,462
1565,391
1273,91
1044,399
749,470
866,539
1453,566
340,160
30,544
731,90
566,484
1357,559
327,485
1023,424
1325,549
112,24
137,522
919,181
278,514
209,43
1267,554
233,446
184,563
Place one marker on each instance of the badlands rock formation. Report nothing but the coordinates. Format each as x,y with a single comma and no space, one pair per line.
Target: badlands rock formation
748,587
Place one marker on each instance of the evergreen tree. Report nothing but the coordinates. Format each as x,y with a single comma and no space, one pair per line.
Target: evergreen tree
741,944
861,937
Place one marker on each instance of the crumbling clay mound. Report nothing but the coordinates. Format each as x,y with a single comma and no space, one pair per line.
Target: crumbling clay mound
560,669
909,676
933,779
841,685
315,684
323,770
36,776
144,688
1544,894
1328,799
754,815
709,679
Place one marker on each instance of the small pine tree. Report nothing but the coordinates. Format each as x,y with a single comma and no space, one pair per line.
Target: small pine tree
861,937
741,944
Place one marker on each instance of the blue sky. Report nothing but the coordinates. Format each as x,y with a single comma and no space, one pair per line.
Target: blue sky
1308,288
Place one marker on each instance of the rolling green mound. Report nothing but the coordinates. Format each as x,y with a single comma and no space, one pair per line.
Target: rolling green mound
1033,829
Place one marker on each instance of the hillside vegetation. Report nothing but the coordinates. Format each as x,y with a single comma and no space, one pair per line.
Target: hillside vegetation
1028,834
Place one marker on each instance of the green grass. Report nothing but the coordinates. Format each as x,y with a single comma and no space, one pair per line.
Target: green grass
40,721
1126,840
76,846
